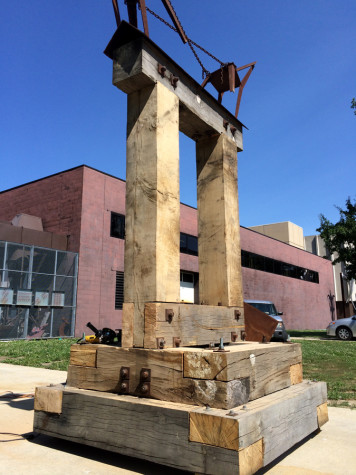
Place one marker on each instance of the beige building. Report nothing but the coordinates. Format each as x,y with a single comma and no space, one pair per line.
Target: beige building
286,232
345,292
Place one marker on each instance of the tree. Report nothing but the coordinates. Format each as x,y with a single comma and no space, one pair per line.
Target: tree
340,237
353,105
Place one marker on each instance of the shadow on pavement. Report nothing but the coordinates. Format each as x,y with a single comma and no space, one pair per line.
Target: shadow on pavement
103,456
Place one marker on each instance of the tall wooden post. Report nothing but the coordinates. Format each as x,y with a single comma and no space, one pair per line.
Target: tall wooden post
218,223
152,203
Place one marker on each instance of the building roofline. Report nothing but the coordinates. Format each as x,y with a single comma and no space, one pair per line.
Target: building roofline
60,173
282,242
70,170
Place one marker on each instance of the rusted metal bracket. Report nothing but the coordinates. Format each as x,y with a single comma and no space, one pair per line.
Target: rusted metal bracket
144,388
169,313
160,343
226,78
174,80
161,70
234,336
243,335
237,314
124,380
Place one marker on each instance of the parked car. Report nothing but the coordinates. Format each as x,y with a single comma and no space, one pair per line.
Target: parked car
344,328
269,308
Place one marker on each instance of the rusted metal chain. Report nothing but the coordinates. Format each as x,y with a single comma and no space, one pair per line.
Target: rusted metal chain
191,43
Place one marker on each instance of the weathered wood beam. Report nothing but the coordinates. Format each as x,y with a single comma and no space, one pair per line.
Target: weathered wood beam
244,372
152,260
191,325
203,440
220,281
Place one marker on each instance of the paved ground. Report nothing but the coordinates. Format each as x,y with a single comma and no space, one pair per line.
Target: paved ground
331,452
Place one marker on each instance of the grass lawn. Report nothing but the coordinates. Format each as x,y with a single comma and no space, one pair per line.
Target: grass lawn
332,361
50,354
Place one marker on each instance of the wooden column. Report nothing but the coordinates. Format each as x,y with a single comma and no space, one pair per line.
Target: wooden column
218,223
152,204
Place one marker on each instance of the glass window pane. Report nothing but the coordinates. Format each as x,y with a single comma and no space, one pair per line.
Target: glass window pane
2,254
18,257
183,242
11,322
62,318
42,282
66,263
193,245
43,260
39,323
66,285
117,228
17,280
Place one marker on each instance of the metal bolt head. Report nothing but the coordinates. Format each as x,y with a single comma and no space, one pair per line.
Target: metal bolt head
144,374
144,388
124,386
124,372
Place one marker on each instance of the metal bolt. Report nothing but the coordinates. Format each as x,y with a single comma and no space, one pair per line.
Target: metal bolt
124,372
237,314
144,374
144,388
124,386
221,346
234,336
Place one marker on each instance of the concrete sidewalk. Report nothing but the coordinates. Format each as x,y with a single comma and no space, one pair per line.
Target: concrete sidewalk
331,452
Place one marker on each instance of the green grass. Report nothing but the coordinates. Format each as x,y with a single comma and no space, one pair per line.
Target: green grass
334,362
50,354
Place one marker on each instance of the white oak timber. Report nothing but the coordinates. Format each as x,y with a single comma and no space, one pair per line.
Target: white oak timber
152,220
193,325
49,399
244,372
185,436
220,281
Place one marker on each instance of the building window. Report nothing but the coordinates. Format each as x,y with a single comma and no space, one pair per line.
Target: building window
266,264
38,288
117,227
119,290
188,244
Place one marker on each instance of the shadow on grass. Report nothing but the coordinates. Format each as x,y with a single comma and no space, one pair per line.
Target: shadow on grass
307,333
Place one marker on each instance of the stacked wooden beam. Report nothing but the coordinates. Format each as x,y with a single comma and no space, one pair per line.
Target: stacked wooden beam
243,372
197,439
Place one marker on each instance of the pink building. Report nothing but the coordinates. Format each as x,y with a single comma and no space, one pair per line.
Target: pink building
87,207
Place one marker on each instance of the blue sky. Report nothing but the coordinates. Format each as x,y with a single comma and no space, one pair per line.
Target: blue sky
59,108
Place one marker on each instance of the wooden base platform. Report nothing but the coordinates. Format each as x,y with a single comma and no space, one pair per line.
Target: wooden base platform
197,439
246,371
